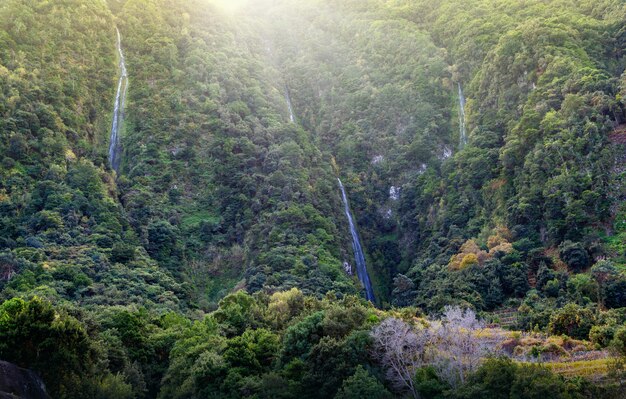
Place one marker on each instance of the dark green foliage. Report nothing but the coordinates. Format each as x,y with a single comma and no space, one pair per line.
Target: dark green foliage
619,340
610,283
33,335
303,359
122,253
583,288
331,361
536,382
492,380
300,337
252,352
575,255
428,385
162,242
237,313
404,291
614,293
502,378
362,385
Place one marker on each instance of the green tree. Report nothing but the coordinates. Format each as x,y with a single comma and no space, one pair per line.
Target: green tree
33,335
572,320
362,385
574,255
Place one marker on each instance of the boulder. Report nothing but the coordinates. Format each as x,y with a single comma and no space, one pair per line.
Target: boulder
16,382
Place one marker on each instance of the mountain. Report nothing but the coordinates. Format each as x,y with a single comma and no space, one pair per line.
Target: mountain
204,197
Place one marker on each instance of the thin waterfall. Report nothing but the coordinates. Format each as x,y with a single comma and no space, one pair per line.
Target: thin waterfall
359,257
268,49
289,106
462,128
118,110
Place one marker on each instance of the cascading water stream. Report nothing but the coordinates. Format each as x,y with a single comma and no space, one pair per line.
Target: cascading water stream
288,100
118,110
462,129
359,257
268,48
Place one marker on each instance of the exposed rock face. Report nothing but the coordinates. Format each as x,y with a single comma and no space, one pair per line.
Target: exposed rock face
16,382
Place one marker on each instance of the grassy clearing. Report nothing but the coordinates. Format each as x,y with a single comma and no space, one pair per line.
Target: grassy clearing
597,368
193,220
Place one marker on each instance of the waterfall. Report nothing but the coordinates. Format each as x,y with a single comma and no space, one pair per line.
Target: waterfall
359,257
289,106
462,130
118,110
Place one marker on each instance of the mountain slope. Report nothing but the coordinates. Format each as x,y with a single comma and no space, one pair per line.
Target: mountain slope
218,258
216,180
64,234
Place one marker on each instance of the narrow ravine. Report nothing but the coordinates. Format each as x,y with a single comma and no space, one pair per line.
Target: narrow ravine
359,257
118,110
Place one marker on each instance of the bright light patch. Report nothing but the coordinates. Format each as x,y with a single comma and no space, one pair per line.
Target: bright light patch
231,5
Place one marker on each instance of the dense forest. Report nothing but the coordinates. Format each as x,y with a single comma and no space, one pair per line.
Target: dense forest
274,157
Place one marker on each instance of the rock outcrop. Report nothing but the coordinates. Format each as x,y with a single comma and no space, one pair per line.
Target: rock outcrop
16,382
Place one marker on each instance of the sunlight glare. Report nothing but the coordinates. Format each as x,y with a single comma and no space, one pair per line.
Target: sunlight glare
231,5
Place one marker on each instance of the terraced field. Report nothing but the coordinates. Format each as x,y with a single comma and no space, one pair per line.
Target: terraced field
596,369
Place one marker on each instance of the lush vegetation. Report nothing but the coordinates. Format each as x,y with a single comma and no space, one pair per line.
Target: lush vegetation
64,232
286,345
217,260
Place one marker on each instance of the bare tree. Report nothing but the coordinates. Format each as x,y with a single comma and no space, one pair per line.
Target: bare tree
457,346
401,350
454,346
454,315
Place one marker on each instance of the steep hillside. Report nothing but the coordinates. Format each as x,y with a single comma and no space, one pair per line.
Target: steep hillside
540,85
384,112
64,234
221,188
313,198
543,88
218,182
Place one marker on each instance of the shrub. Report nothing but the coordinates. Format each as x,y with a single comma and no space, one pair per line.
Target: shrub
572,320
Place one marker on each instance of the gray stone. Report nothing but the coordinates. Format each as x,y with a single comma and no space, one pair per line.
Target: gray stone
16,382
